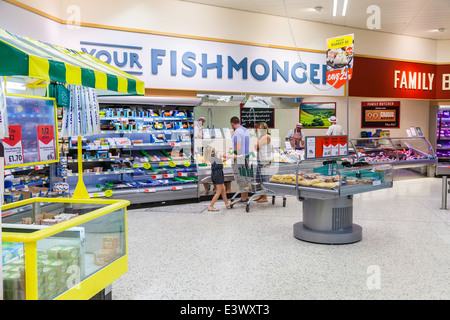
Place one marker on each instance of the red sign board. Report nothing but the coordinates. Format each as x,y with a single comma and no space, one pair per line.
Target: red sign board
46,142
13,146
400,79
327,146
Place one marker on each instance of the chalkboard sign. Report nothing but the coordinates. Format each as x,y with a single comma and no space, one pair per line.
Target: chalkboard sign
250,117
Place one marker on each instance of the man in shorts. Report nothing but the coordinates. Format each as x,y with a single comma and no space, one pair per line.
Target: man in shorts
241,147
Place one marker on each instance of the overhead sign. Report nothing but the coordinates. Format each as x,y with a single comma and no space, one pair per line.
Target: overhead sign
400,79
339,59
178,63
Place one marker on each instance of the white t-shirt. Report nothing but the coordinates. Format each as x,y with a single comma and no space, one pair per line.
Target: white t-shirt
335,130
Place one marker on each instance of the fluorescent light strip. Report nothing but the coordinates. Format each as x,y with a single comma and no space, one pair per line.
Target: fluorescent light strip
334,8
344,10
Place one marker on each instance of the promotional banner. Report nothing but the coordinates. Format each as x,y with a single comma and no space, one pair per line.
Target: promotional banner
339,59
13,146
46,142
380,114
324,147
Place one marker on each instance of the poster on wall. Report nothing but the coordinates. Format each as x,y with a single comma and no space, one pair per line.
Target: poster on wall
340,51
316,115
380,114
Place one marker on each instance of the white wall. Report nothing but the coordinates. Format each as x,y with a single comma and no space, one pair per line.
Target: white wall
412,113
191,19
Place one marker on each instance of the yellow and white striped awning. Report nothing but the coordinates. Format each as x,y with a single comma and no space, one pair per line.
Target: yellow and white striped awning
24,56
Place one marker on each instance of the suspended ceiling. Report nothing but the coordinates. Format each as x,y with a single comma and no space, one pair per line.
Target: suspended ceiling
419,18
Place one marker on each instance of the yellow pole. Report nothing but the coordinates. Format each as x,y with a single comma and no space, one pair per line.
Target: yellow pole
80,190
31,274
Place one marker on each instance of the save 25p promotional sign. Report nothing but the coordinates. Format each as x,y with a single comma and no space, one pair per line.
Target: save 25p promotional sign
340,52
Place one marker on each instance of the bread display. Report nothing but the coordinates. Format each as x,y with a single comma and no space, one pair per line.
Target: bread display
321,181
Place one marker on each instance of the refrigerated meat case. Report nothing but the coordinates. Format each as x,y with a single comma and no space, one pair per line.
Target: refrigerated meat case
326,188
443,141
402,152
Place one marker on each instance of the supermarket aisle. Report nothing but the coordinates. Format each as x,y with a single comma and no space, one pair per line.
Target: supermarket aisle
186,252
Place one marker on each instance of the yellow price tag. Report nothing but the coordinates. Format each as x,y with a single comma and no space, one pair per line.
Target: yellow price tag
108,193
135,165
147,165
172,164
339,42
186,163
161,164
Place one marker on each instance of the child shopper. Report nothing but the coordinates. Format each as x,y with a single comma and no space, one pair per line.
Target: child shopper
215,159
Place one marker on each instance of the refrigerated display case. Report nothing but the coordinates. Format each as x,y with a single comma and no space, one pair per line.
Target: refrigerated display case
443,141
143,153
62,248
326,188
403,152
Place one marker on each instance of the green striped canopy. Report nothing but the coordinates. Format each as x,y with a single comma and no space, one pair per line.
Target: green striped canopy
24,56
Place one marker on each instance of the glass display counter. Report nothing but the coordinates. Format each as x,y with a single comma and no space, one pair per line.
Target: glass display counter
406,152
326,189
62,248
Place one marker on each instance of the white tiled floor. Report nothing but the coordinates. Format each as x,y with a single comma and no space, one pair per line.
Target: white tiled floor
185,252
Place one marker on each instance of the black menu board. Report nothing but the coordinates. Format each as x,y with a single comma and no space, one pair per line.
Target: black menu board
250,117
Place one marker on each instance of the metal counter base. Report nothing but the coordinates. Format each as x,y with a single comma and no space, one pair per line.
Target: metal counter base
328,221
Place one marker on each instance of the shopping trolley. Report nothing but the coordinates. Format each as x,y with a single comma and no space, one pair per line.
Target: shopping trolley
250,174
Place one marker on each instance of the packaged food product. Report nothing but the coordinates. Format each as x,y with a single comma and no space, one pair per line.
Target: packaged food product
100,257
60,269
69,252
49,274
352,181
53,252
110,242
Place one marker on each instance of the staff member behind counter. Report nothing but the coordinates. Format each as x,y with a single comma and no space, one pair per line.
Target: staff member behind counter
295,136
335,129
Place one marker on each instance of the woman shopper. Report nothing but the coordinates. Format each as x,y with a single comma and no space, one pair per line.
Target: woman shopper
264,155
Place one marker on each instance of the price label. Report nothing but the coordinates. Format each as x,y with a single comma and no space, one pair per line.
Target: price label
147,165
46,142
376,182
108,193
172,164
186,163
177,188
13,146
150,190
